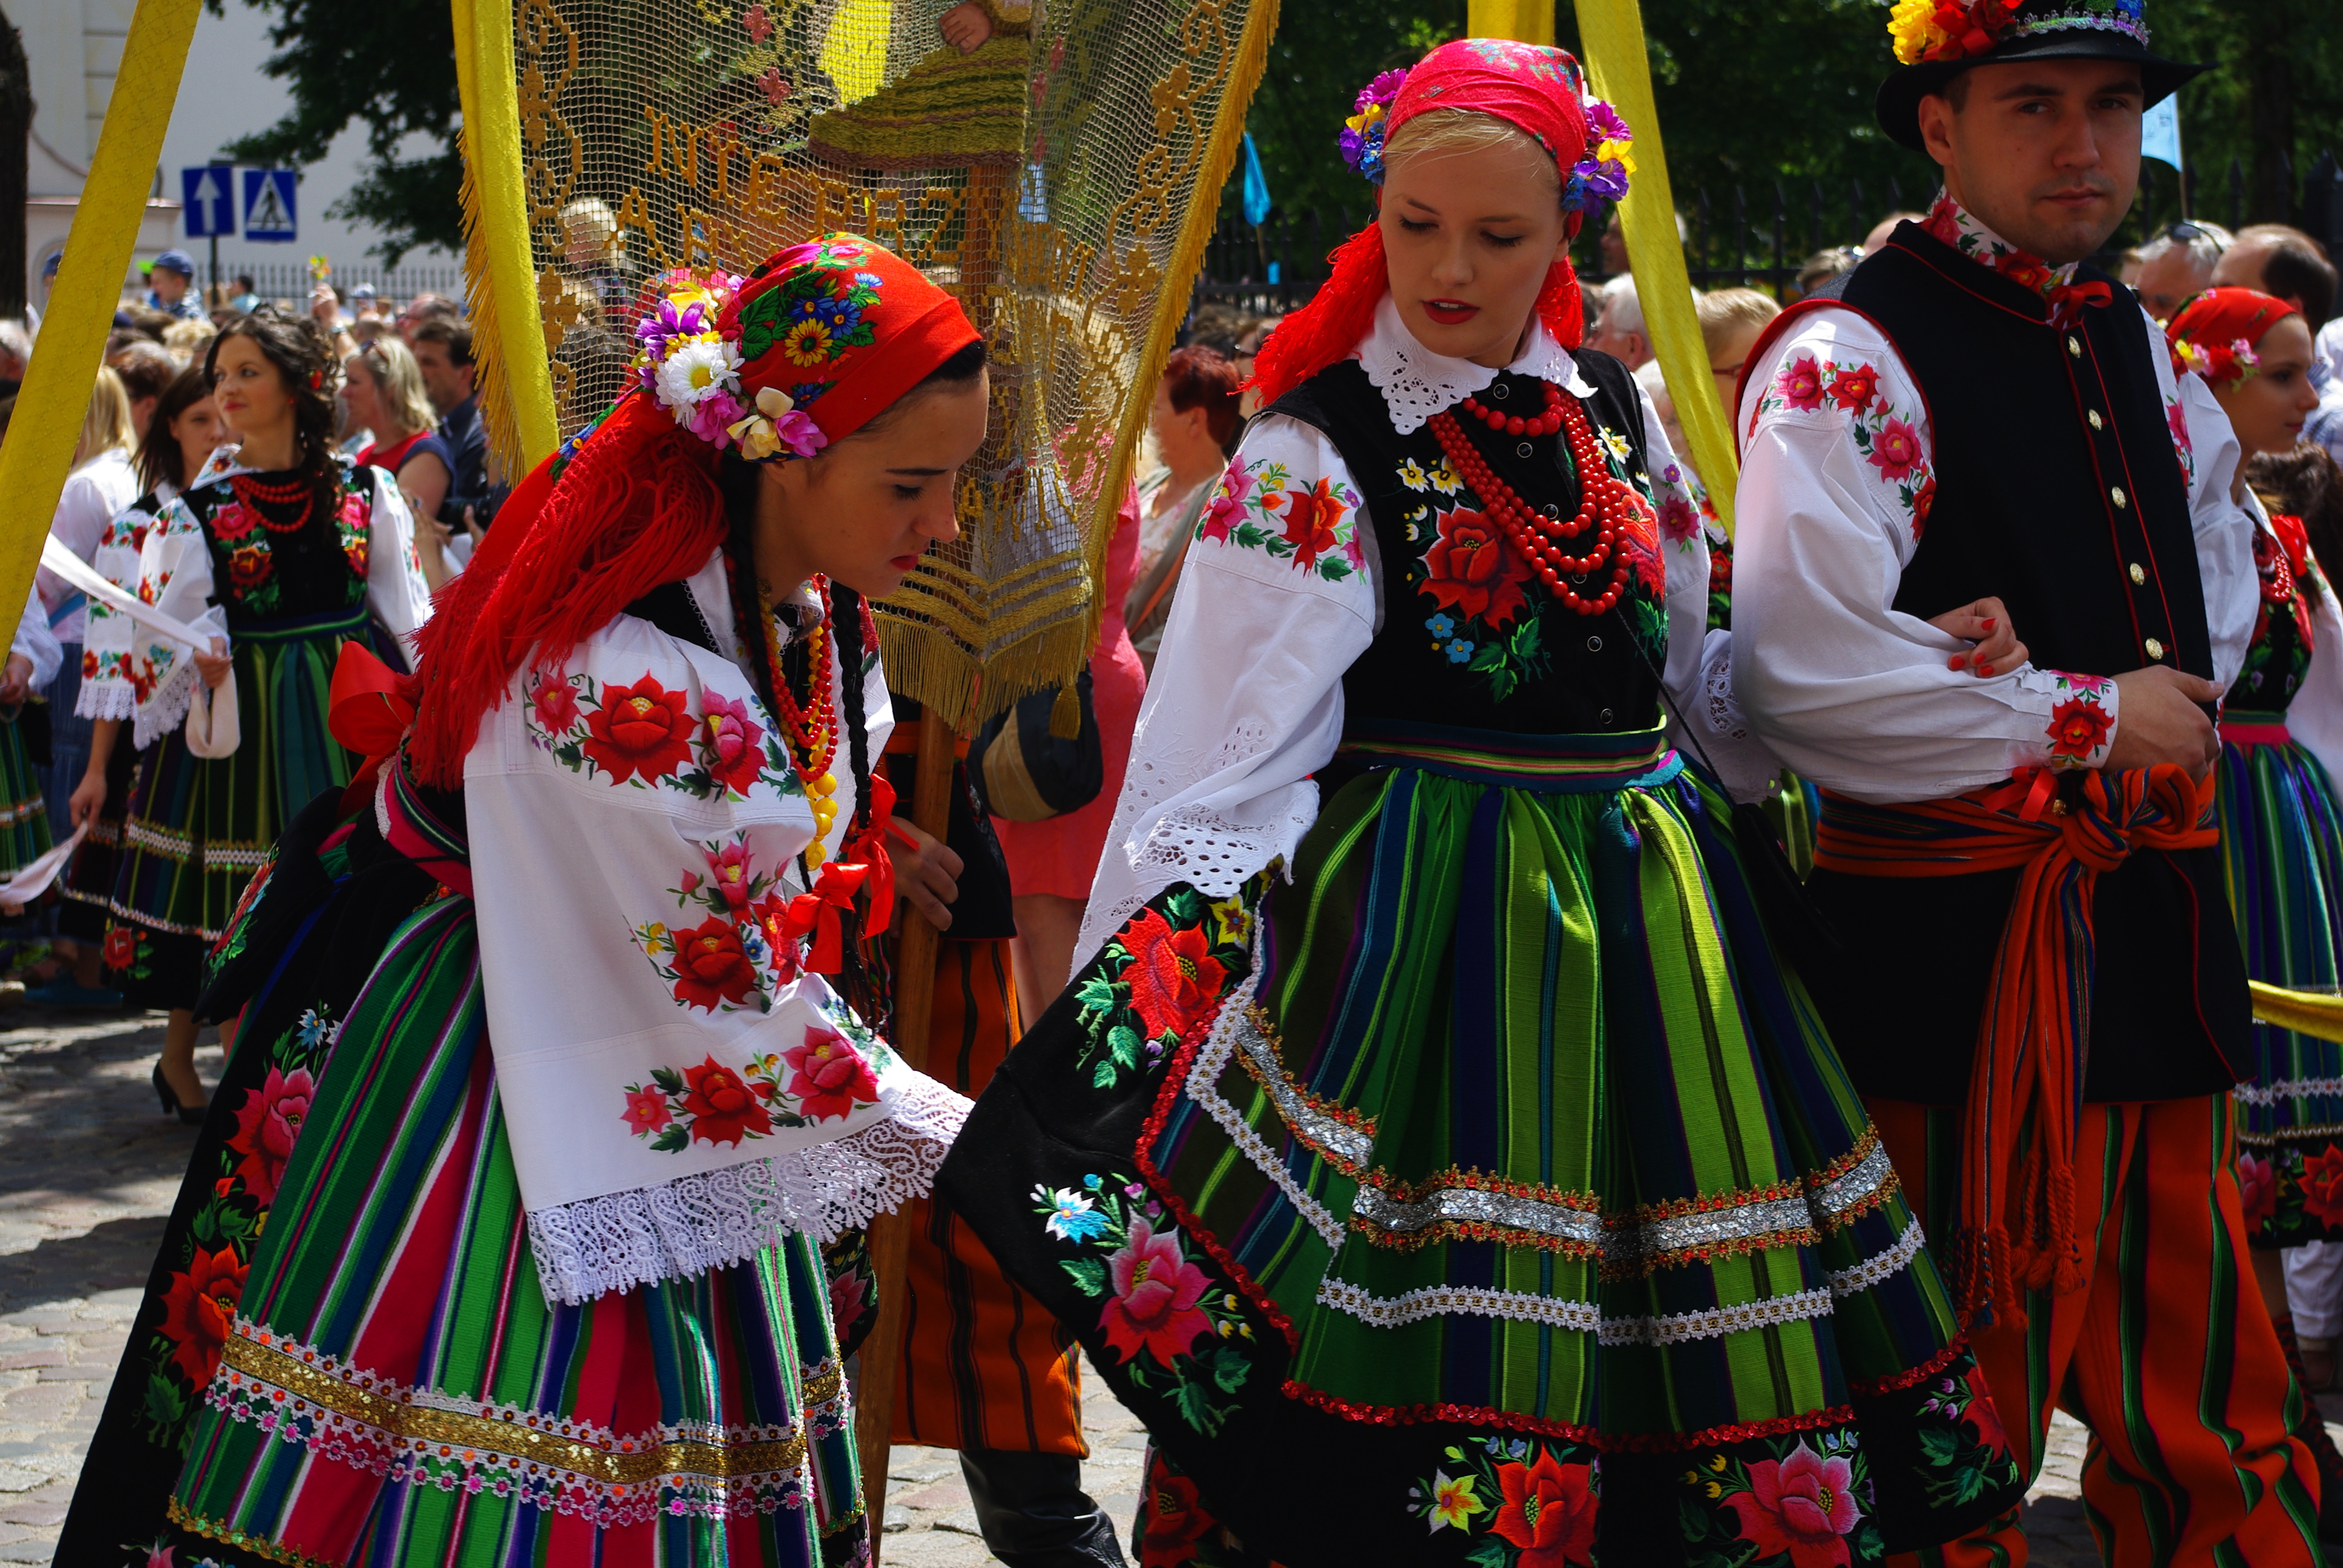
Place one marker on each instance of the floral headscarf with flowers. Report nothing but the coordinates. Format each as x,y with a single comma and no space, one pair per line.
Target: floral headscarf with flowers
2213,334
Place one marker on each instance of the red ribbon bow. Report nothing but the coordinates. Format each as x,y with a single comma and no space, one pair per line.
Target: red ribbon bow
2067,300
366,712
870,849
822,913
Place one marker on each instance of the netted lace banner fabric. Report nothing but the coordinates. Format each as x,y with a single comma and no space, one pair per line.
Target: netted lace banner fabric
1056,165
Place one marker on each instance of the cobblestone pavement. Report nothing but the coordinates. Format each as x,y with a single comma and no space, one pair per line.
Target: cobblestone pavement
88,1168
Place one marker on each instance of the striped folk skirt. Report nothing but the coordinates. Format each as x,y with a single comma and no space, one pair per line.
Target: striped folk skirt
197,827
2282,837
24,808
395,1390
1489,1186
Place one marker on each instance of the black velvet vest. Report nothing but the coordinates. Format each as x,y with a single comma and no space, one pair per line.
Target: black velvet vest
1460,646
2058,490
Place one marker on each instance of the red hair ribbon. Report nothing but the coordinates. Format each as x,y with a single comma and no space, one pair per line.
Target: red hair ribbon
822,913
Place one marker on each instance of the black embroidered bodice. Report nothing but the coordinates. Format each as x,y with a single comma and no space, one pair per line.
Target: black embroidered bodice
314,565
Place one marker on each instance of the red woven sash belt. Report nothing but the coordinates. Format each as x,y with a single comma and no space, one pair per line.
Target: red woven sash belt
2026,1086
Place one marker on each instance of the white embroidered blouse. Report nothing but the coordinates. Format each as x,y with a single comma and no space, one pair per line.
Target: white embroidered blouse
1853,693
1246,699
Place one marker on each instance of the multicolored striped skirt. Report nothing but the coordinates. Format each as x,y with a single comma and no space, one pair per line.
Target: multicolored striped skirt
2282,835
196,828
24,808
393,1388
1490,1187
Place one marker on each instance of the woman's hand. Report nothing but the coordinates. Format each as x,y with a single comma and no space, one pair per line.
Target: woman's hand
929,874
1986,623
88,797
966,26
214,665
17,684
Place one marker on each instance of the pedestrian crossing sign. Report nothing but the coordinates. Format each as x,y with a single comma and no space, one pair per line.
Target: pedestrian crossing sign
269,205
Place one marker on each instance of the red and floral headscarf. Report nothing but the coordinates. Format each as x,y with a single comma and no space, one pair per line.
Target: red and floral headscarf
2213,334
805,350
1536,88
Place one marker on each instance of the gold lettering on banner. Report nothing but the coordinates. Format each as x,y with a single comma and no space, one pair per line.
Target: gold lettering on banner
673,147
720,148
553,153
635,213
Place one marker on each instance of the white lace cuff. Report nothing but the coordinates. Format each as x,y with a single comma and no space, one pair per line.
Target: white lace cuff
684,1228
106,700
165,708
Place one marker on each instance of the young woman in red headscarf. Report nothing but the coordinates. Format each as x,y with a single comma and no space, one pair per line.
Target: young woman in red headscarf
539,1278
1431,1148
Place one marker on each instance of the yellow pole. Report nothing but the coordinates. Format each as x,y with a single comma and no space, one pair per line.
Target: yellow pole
2305,1012
491,102
1612,32
54,399
1524,21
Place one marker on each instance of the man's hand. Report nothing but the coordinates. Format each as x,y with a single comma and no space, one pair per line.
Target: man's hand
1986,623
929,874
965,27
2158,719
214,665
17,684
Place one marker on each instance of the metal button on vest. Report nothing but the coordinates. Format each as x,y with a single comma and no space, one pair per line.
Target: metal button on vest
1606,716
2114,493
1522,451
2154,648
1595,645
2138,575
2097,422
2074,346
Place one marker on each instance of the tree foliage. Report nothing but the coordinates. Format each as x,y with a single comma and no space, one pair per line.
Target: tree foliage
390,66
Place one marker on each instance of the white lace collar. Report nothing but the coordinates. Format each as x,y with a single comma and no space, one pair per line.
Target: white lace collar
1416,383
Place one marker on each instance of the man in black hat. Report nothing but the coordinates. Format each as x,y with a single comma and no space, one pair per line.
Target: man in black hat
2039,992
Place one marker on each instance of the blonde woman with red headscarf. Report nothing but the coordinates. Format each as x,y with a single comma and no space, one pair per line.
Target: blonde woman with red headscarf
2281,827
573,1056
1430,1120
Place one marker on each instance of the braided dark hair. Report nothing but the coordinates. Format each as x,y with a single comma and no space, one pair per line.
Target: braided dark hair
305,361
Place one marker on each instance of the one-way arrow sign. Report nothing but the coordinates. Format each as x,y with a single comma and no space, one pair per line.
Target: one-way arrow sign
209,196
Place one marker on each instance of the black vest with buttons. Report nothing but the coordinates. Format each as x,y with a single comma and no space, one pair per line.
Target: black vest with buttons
2059,492
1545,669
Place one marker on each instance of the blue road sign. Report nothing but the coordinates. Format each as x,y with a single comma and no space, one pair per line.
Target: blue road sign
209,195
269,205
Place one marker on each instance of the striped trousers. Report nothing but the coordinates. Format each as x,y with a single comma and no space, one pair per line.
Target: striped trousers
2167,1353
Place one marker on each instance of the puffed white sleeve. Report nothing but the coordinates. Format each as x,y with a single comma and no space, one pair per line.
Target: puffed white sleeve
395,590
1837,480
1275,602
175,576
2209,455
2315,716
36,643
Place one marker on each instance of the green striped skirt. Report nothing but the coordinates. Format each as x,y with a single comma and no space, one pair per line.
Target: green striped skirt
197,827
1491,1177
24,810
2282,840
395,1390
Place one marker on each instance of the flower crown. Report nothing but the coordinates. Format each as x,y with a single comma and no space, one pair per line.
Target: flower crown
1963,29
694,372
1600,177
2220,366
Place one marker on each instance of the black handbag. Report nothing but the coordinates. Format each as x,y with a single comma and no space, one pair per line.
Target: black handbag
1042,759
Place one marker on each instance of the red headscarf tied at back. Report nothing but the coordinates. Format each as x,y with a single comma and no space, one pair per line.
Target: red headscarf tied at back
2213,334
804,351
1534,87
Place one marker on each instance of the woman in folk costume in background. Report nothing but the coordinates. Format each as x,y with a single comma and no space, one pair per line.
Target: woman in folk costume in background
543,1272
2281,827
284,552
1445,1157
182,434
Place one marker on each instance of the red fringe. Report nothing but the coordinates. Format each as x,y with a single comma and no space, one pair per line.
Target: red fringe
1572,1432
637,507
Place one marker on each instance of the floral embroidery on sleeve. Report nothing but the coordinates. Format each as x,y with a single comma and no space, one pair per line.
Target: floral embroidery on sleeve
828,1075
2081,723
2177,418
1679,511
1260,506
1887,438
645,736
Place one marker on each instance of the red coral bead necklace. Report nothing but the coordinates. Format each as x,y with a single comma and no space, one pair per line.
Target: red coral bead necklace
251,491
1605,502
811,726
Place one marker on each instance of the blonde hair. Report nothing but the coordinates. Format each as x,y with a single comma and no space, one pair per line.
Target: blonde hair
1452,132
397,383
593,214
188,339
1724,310
106,426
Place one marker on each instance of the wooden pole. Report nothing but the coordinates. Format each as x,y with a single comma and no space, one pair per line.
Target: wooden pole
891,1234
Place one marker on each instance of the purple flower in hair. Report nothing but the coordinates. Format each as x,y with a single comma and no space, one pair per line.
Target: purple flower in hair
1603,124
1592,182
711,415
1380,92
656,327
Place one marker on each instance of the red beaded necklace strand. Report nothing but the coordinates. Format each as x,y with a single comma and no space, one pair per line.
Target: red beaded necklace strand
811,726
252,491
1606,502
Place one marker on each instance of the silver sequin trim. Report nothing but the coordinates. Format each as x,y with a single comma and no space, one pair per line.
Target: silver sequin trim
1842,1193
2287,1089
1709,1228
1314,1126
1468,1205
1203,1078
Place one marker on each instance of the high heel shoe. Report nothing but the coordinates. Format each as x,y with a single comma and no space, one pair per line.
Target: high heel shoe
192,1115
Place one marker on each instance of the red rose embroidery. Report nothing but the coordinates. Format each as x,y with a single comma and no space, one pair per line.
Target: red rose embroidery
771,915
730,871
1855,387
1471,568
556,705
1895,450
1174,977
710,965
2024,271
849,1296
646,1110
231,523
248,566
2077,729
1800,1507
1800,383
1677,518
830,1077
198,1309
1548,1512
641,730
730,743
1924,501
1226,510
723,1108
1310,519
121,948
2258,1182
266,1125
1982,1414
1176,1520
1639,542
2322,1186
1153,1306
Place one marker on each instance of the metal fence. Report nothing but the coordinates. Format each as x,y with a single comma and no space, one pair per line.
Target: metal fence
290,280
1755,237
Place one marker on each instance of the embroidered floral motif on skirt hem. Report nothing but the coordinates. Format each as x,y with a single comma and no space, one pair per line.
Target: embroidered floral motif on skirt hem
1491,1177
2282,840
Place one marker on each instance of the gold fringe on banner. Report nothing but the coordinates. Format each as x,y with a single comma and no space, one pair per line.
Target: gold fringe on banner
488,358
2305,1012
